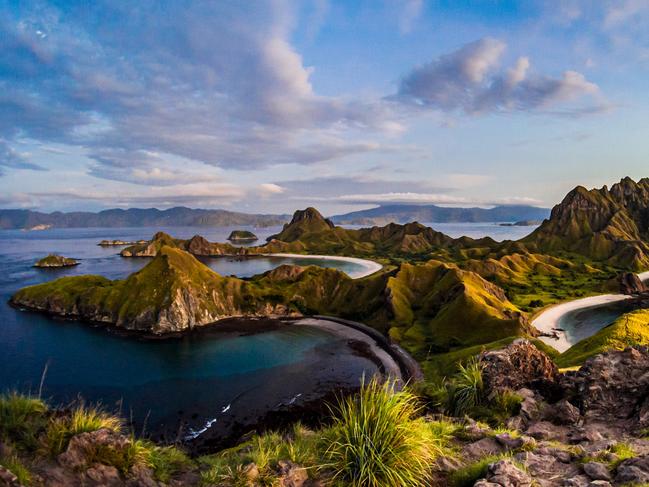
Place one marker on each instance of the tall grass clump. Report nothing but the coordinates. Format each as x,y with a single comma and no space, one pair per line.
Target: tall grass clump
21,418
82,420
467,390
18,468
378,441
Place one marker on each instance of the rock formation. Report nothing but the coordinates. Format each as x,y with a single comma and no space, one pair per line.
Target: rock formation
54,260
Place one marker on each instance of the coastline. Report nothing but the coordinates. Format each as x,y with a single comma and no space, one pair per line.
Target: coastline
548,319
370,266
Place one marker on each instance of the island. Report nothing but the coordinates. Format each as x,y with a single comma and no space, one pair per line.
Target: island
54,260
242,236
522,223
120,243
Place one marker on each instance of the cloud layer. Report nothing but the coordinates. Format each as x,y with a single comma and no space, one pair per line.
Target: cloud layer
471,80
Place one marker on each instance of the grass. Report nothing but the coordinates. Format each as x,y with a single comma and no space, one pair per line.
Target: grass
21,418
83,419
468,475
628,330
377,440
18,468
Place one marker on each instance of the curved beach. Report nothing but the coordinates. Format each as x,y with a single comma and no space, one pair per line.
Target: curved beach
369,266
549,319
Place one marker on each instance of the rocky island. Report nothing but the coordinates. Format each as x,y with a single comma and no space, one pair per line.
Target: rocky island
120,243
54,260
242,236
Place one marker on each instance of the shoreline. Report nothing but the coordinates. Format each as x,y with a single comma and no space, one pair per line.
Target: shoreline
370,266
548,319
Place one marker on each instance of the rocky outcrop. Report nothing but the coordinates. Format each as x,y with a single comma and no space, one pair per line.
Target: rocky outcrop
629,283
612,389
519,365
197,245
601,224
54,260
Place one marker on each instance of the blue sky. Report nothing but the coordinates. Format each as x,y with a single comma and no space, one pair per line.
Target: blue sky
272,106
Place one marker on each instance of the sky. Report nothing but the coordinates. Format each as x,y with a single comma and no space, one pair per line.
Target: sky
269,106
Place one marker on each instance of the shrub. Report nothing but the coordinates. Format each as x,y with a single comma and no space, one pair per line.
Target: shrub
166,461
376,439
467,388
21,418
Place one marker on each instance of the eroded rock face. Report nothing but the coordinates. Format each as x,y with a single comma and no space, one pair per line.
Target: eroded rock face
612,388
519,365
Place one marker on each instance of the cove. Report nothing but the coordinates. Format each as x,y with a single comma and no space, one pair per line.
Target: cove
582,318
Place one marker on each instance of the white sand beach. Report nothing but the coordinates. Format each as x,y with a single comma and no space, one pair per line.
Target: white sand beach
369,266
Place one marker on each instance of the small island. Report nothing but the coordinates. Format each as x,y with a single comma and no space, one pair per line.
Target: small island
242,236
54,260
522,223
120,243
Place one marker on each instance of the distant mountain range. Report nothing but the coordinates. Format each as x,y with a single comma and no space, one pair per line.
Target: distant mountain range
438,214
136,217
181,217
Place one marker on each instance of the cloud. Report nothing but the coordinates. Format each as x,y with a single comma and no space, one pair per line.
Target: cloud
10,158
218,83
428,198
470,80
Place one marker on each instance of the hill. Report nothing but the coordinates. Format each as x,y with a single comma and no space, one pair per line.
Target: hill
423,304
601,224
385,214
136,217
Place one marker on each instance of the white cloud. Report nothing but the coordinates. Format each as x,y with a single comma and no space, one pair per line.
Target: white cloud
470,80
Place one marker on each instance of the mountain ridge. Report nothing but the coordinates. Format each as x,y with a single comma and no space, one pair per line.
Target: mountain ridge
439,214
135,217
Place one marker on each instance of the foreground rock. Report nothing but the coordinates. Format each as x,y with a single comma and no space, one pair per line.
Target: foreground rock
54,260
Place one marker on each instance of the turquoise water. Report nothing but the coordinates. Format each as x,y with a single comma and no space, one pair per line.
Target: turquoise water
174,384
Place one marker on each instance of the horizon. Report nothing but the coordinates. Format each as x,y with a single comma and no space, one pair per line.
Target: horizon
338,105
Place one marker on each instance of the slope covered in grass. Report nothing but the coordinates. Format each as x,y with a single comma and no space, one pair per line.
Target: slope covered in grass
628,330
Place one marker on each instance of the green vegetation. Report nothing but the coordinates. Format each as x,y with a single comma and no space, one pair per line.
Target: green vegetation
29,428
468,475
83,419
376,439
21,419
628,330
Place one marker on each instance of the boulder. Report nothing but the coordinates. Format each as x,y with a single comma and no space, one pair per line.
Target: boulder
519,365
291,475
597,471
83,447
505,474
633,471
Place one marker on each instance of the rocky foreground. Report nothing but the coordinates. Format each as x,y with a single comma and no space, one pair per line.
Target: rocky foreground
585,427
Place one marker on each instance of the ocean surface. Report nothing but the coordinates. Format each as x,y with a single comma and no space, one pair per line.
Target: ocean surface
183,387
